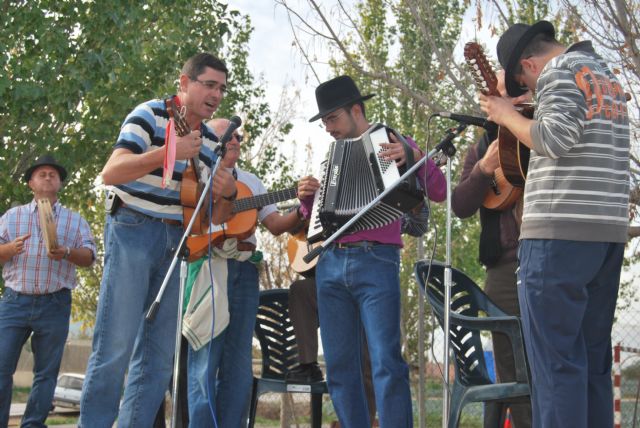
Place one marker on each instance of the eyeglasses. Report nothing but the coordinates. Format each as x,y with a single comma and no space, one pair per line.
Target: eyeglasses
212,85
238,137
331,118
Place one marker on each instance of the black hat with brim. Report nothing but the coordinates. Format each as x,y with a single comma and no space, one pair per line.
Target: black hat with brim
45,160
510,47
335,93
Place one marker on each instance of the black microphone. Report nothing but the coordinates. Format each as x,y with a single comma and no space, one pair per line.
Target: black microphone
470,120
234,123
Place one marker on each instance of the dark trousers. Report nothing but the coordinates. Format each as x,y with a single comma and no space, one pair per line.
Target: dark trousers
303,311
568,292
500,286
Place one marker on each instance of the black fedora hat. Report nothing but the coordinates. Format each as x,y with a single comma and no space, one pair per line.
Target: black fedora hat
42,161
511,45
335,93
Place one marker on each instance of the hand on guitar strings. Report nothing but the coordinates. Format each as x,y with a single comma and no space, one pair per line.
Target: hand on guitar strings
491,160
224,185
498,109
189,145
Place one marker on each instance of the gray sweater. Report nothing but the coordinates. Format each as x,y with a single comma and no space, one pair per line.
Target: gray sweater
577,186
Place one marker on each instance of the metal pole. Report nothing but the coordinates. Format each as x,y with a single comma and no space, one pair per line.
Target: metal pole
447,303
422,414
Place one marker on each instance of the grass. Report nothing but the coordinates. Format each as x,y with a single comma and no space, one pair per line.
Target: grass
62,420
20,394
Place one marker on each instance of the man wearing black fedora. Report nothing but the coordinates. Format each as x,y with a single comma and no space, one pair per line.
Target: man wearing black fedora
38,281
575,218
358,282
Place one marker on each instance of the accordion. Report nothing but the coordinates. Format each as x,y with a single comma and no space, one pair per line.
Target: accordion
353,175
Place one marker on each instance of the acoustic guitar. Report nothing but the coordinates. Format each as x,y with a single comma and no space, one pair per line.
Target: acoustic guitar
243,222
508,179
297,248
191,186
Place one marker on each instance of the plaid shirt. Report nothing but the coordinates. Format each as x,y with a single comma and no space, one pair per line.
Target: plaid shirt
32,272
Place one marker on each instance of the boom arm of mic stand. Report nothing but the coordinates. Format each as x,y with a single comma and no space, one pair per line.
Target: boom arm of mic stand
445,145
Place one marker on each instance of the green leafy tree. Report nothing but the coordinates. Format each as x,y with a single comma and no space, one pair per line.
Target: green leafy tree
70,72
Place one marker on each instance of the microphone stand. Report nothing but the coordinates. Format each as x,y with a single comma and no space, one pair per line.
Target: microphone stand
448,141
182,253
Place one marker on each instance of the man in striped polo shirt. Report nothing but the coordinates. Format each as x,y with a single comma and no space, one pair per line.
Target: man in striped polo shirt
141,236
575,219
37,298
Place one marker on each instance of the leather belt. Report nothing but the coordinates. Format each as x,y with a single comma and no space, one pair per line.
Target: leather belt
168,221
358,244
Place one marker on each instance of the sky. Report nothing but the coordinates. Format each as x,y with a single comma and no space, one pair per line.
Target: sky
272,55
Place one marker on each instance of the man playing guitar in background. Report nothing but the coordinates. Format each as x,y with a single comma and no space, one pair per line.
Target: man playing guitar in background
498,244
228,360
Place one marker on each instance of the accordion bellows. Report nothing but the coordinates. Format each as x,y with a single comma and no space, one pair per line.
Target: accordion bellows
354,174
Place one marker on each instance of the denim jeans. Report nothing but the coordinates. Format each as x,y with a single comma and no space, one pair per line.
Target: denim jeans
229,354
360,288
47,317
567,292
138,252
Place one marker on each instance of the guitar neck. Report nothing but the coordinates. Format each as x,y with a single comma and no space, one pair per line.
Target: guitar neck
259,201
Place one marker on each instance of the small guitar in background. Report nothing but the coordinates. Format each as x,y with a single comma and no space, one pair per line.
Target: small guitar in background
297,248
508,180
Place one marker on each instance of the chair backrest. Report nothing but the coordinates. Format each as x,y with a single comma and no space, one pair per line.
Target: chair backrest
275,333
467,300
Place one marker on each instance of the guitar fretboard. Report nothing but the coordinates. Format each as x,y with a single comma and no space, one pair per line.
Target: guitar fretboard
259,201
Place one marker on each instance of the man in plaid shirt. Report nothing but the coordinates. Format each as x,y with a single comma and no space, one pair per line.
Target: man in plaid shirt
36,301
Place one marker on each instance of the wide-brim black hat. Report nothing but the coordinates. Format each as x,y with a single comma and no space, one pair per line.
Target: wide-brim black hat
510,47
49,161
335,93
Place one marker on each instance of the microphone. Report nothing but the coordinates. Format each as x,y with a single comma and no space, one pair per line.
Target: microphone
234,123
469,120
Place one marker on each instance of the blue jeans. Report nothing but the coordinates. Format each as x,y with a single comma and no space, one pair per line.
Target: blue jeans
138,252
47,317
229,355
360,288
568,292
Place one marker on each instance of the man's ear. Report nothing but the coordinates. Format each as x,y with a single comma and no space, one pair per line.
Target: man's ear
184,82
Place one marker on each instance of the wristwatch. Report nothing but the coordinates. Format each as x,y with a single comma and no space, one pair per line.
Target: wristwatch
67,253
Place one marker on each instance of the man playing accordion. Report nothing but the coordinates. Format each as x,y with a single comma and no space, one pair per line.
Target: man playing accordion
358,279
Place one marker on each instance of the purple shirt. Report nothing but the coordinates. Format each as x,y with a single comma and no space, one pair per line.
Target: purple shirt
435,189
32,272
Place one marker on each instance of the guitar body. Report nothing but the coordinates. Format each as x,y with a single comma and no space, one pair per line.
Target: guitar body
242,224
190,191
514,156
502,194
508,179
297,248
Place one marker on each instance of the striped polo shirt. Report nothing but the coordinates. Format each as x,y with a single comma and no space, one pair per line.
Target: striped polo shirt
577,187
32,272
143,130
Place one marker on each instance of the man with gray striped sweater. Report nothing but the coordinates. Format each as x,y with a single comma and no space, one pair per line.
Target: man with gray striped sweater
575,218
